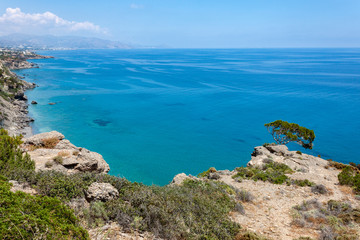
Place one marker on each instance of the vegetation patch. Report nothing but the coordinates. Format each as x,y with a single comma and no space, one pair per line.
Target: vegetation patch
36,217
350,177
335,220
271,172
249,235
58,159
50,142
206,173
341,166
193,210
11,156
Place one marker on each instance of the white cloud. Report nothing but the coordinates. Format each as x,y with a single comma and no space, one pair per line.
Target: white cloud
16,21
136,6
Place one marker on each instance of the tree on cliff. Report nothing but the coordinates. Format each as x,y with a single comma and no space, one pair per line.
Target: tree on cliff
284,132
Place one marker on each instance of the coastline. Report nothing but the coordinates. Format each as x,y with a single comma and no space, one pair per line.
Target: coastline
14,109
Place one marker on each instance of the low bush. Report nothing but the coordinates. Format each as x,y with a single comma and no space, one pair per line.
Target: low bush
194,210
50,142
36,217
272,172
11,156
321,189
49,164
248,235
244,196
335,220
58,159
348,176
206,173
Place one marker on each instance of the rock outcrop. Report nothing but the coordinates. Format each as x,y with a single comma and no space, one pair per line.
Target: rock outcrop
180,178
101,192
50,151
280,153
271,212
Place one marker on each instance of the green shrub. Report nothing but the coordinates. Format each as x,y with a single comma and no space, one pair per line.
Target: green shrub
194,210
303,183
299,152
58,159
272,172
96,214
346,176
11,156
49,164
33,217
206,173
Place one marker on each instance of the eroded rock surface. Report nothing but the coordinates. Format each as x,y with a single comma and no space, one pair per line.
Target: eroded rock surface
101,192
50,151
180,178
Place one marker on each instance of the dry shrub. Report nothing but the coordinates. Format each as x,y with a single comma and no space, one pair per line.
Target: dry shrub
341,166
32,147
249,235
75,153
347,190
50,142
63,154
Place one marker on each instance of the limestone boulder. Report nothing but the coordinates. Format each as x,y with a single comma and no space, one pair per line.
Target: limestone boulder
180,178
101,192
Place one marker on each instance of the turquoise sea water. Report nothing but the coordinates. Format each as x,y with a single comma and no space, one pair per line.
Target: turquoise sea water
155,113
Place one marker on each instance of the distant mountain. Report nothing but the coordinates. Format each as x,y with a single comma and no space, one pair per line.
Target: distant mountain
57,42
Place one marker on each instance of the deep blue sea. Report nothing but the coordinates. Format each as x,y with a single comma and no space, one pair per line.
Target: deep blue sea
155,113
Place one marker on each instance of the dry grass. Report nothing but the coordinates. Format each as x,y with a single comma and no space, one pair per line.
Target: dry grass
32,148
63,154
50,142
347,190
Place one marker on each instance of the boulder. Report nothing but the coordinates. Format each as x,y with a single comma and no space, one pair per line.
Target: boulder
37,140
34,102
101,192
180,178
214,176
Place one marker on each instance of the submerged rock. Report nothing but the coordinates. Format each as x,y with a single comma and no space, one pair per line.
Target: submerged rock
34,102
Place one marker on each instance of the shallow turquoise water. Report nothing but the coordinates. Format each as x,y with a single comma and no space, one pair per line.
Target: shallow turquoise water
155,113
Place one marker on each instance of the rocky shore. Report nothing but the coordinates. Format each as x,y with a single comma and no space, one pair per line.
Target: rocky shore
13,103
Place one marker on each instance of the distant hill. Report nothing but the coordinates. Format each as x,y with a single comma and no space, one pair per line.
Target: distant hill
56,42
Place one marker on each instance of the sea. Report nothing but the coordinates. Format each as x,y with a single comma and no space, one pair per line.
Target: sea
154,113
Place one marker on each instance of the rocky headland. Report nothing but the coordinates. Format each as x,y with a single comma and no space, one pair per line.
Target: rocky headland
18,59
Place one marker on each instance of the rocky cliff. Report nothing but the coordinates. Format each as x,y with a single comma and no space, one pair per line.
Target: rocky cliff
13,102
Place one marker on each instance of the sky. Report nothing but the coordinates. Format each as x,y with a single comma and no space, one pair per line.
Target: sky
191,23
